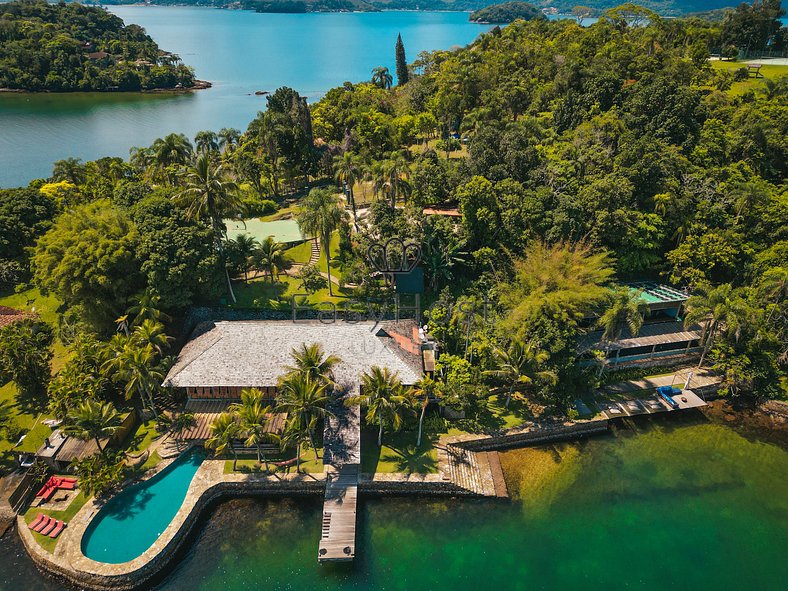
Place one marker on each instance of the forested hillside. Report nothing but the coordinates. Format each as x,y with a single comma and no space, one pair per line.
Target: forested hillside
70,47
506,13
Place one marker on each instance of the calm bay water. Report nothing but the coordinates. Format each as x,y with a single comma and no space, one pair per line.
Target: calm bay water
240,52
676,504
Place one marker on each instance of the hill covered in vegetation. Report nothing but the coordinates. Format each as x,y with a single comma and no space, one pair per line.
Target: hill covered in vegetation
505,13
70,47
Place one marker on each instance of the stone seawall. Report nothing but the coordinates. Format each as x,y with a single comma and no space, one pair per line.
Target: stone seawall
535,435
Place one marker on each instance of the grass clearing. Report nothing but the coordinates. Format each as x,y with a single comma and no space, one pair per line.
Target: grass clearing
300,253
46,542
247,465
399,453
261,293
769,71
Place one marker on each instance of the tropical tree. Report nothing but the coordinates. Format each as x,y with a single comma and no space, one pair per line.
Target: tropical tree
384,397
304,399
716,308
137,367
348,172
401,61
396,170
152,333
224,430
312,361
228,138
422,391
269,257
92,420
210,194
146,307
297,435
25,355
625,308
174,149
241,251
206,141
253,415
521,365
321,214
382,78
181,423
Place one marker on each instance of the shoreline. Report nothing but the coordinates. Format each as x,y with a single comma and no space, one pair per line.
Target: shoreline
198,85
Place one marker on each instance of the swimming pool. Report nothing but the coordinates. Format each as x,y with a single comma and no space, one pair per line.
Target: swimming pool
285,231
134,519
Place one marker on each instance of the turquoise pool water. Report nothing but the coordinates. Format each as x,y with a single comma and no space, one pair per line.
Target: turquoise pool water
131,521
282,230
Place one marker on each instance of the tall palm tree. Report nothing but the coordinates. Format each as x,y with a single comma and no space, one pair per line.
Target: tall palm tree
136,366
384,397
717,308
224,430
304,400
296,434
92,420
347,172
173,149
269,257
321,214
422,391
520,366
206,141
312,361
146,306
228,138
396,170
244,247
253,416
381,77
210,194
625,308
152,333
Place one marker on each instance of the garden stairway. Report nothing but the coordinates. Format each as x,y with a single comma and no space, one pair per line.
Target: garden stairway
473,471
314,256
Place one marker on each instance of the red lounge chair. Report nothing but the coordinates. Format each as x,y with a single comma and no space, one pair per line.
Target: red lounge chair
58,528
49,527
44,490
68,485
74,480
49,492
44,524
37,521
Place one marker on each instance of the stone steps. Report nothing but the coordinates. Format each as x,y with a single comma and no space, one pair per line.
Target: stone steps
314,255
467,469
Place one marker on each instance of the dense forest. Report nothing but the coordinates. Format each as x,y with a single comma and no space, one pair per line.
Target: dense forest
506,13
575,158
70,47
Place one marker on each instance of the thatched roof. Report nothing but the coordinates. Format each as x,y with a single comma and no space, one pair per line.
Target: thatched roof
254,353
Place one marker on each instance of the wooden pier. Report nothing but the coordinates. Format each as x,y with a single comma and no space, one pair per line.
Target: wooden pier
338,539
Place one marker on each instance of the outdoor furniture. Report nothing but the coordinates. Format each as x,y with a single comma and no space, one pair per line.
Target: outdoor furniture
59,525
755,69
44,523
48,527
53,484
40,518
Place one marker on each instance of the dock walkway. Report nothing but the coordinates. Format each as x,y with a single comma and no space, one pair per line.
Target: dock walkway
342,458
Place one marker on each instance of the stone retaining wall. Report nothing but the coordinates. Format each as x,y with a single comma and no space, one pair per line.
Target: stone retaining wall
535,435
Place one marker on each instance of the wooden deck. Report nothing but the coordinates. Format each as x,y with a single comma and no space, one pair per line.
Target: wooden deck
338,539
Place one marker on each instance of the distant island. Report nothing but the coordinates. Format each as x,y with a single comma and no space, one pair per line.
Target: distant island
70,47
508,12
662,7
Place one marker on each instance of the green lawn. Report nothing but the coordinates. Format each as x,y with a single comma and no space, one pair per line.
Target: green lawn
768,71
141,439
398,453
261,293
286,212
300,253
308,464
32,301
46,542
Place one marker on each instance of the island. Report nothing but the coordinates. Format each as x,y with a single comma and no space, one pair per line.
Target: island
508,12
69,47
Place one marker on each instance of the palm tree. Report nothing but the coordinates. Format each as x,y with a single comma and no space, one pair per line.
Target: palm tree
321,214
520,365
422,391
224,430
172,149
183,422
135,365
92,420
717,307
381,77
243,246
304,400
206,141
210,194
228,138
385,398
311,361
253,416
269,257
296,434
146,306
396,171
152,333
625,309
347,172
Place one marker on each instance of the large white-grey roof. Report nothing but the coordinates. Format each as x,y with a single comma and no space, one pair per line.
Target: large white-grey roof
254,353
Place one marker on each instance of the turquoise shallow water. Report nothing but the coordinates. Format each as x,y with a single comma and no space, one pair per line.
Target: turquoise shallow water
131,521
671,504
240,52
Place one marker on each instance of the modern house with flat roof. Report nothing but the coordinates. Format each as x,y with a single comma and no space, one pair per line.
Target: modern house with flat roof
663,338
223,358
